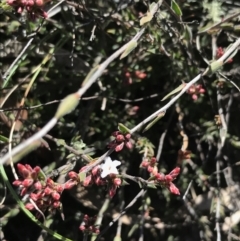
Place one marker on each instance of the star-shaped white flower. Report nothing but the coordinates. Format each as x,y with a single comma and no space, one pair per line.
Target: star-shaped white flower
109,167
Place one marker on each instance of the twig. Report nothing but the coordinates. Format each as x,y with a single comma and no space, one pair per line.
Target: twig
141,193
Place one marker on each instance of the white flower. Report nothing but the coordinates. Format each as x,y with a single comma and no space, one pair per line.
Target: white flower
109,167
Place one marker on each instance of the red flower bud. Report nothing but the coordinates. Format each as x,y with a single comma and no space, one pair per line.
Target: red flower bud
27,182
168,178
128,136
17,183
29,206
175,172
56,204
87,181
56,196
120,138
115,133
145,163
173,189
119,147
128,145
38,185
117,181
48,190
73,175
95,170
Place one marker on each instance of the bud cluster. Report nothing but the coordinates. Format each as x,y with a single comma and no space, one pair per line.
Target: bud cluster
45,193
33,7
150,165
159,178
120,141
167,180
195,90
137,74
88,225
94,177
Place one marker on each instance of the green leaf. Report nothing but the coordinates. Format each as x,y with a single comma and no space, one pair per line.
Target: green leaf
131,46
151,185
82,176
67,105
60,142
154,121
178,89
122,128
124,183
3,139
175,7
146,18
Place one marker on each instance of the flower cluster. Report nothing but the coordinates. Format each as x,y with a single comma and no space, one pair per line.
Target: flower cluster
159,178
104,174
137,74
88,225
120,140
33,7
150,165
44,192
167,180
220,53
195,90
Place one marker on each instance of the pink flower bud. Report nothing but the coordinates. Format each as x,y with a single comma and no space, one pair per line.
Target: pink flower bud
83,169
128,145
82,228
29,206
120,138
150,169
70,184
23,171
112,191
73,175
173,189
117,181
202,91
59,188
48,190
160,177
95,170
87,181
168,178
17,183
38,185
153,160
194,97
175,172
56,204
56,196
128,136
119,147
39,2
27,182
145,163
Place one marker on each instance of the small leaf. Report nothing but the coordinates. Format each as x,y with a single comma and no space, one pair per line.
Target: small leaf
60,142
131,46
178,89
3,139
154,121
67,105
175,7
122,128
151,185
82,176
124,183
146,18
